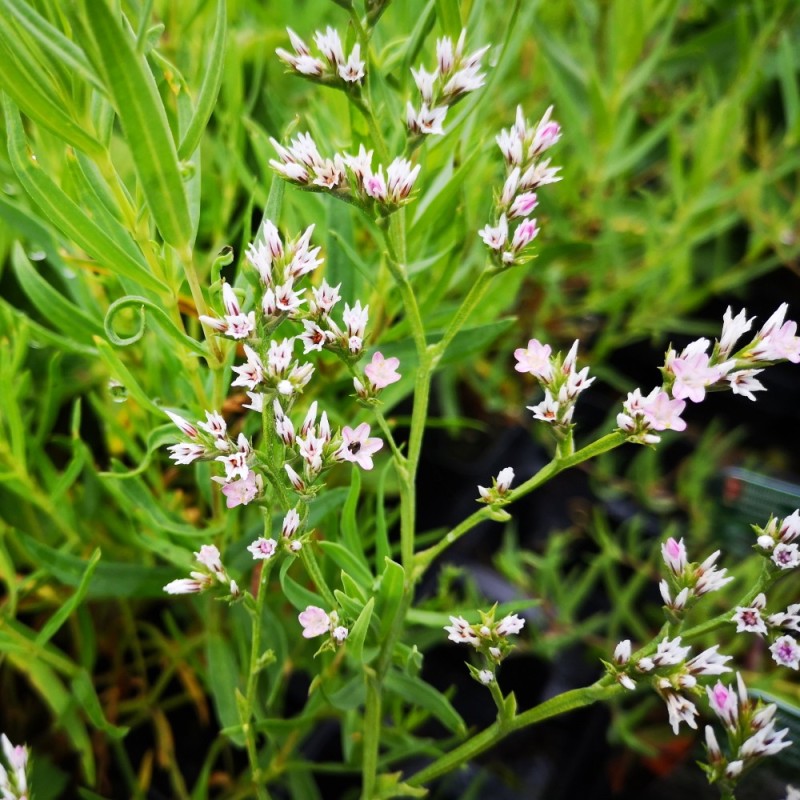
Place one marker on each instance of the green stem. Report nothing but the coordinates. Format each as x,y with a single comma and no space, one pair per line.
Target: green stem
608,442
372,733
474,296
473,747
215,362
252,682
315,573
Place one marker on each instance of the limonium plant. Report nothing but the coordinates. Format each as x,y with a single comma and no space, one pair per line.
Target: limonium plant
295,377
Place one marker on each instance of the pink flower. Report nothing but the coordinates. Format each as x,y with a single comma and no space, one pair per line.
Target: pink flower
663,413
315,622
241,492
209,557
724,703
382,371
693,374
357,447
674,553
534,359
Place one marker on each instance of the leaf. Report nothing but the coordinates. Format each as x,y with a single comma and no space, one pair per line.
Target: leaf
135,97
62,212
448,13
420,694
107,579
299,596
209,88
156,439
348,527
346,560
51,38
60,616
358,633
53,306
390,595
30,87
223,678
119,371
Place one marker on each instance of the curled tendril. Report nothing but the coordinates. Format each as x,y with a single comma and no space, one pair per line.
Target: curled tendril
165,323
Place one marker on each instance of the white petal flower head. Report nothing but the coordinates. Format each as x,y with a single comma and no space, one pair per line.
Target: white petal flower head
622,652
732,329
786,556
186,452
534,359
511,624
461,632
724,703
315,622
786,652
486,676
262,549
495,238
504,479
340,633
669,652
547,410
353,70
680,710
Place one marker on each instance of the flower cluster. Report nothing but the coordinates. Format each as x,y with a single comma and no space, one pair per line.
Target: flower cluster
499,488
671,674
488,637
455,76
778,541
14,775
750,729
273,378
317,622
561,380
348,177
685,581
688,375
753,619
211,573
333,68
522,146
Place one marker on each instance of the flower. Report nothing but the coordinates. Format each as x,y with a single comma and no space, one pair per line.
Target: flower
786,652
486,676
748,618
512,624
315,622
340,633
208,556
234,324
185,427
535,359
680,709
461,632
186,452
724,704
188,585
382,371
357,447
14,785
262,549
622,652
786,556
674,555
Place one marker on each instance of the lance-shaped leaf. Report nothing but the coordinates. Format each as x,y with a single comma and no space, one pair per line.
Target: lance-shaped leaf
64,213
135,97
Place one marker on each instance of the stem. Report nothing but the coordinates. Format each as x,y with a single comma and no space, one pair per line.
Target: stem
252,682
608,442
372,733
464,311
312,567
200,304
568,701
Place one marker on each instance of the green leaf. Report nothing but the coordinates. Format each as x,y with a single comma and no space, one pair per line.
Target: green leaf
223,678
348,527
60,209
346,560
52,39
448,13
106,580
358,633
390,594
209,88
55,622
84,693
119,371
53,306
30,87
299,596
420,694
135,97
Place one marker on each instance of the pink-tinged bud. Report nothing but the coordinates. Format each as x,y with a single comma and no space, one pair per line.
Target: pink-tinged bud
674,554
340,634
294,478
183,425
310,419
712,746
229,301
524,234
291,522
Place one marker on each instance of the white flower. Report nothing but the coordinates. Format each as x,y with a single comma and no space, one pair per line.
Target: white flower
709,662
732,330
748,619
669,652
461,631
622,652
511,624
786,652
340,633
681,710
186,452
786,556
262,549
495,238
486,676
353,70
